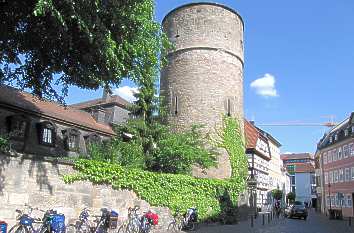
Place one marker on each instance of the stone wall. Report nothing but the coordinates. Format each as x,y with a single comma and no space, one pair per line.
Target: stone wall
25,179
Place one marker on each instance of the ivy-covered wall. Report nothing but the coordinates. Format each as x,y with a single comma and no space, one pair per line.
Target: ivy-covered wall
177,192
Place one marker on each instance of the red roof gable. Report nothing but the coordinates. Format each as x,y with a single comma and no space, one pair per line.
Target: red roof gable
251,135
25,101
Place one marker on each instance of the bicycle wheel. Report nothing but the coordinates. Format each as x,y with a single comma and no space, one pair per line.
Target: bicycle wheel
19,229
172,227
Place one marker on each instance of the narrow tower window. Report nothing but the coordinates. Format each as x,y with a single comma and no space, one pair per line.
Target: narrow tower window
176,105
228,107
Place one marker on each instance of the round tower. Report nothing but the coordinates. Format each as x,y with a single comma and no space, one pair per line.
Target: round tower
204,76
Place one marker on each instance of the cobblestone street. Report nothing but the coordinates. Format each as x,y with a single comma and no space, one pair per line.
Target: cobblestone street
315,223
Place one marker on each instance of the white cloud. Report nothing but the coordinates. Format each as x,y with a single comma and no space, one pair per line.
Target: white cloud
265,86
126,92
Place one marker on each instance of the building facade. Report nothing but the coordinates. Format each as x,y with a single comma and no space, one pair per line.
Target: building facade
258,153
39,127
264,161
203,79
335,154
301,168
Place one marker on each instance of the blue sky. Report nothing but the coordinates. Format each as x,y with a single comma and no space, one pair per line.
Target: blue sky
304,50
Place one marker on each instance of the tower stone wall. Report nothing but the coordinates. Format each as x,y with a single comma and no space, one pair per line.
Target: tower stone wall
204,76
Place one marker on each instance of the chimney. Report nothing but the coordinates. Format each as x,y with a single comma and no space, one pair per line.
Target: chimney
106,93
99,114
252,122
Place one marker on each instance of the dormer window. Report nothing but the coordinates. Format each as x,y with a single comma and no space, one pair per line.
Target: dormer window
346,132
17,126
72,139
330,139
336,137
46,133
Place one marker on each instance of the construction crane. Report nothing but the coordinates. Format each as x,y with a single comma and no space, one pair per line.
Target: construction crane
329,123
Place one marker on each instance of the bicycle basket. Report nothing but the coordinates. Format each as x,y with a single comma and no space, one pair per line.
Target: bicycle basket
26,220
57,223
152,217
3,227
113,220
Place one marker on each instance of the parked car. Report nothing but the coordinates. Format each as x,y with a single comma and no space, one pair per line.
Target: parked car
296,210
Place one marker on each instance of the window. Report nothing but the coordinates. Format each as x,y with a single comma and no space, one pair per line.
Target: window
333,201
352,173
46,133
324,158
346,132
228,107
335,174
341,175
176,105
326,178
293,180
345,151
91,139
335,155
336,137
327,200
331,177
349,201
72,139
330,139
329,155
347,174
339,153
351,149
17,126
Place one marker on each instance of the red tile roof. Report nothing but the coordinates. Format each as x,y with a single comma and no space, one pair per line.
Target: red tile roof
296,156
251,135
114,99
304,168
25,101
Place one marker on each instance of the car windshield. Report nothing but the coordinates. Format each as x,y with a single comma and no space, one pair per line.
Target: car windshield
299,206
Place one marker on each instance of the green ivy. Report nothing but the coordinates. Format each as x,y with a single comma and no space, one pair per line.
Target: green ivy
4,143
175,191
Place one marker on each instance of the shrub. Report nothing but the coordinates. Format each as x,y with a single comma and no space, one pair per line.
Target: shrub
4,143
277,194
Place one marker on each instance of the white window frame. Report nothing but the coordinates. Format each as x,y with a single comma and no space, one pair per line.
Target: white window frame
352,173
335,155
331,177
351,149
326,177
339,153
335,175
349,201
341,175
347,174
329,156
325,158
345,151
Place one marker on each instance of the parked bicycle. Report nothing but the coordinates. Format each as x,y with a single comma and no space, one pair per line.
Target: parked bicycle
138,224
184,222
105,222
52,222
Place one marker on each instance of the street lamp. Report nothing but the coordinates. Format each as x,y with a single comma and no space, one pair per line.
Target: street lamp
252,185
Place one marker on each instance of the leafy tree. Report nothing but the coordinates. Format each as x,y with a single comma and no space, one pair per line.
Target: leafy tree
90,44
291,197
277,194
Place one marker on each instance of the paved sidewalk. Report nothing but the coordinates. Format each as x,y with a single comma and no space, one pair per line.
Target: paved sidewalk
316,223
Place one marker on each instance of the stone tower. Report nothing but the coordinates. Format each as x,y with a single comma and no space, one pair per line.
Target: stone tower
204,76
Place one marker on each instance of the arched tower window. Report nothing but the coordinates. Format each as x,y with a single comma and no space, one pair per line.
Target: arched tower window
229,108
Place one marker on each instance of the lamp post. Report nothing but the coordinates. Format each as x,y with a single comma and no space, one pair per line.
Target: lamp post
252,185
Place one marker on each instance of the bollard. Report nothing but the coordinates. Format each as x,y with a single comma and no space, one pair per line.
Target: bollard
263,216
252,221
350,221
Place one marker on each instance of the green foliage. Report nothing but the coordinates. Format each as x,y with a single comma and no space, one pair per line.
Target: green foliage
4,143
178,192
51,44
177,152
291,197
277,194
115,151
214,198
156,148
231,139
